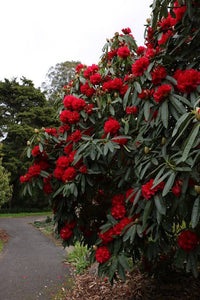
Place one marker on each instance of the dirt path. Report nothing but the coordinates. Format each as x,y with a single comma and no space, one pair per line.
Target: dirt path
31,266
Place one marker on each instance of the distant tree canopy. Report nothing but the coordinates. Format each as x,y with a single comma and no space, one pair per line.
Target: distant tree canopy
22,109
57,77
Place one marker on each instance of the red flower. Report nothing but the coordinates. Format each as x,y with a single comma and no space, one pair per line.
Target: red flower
78,104
34,170
69,174
102,254
123,52
89,109
47,188
68,149
126,30
176,190
147,190
121,225
51,131
62,162
140,50
187,80
162,92
146,94
76,136
119,140
165,36
83,169
118,211
58,173
158,74
25,178
118,199
188,240
71,117
95,79
68,100
80,67
65,233
107,236
111,126
140,66
87,90
131,110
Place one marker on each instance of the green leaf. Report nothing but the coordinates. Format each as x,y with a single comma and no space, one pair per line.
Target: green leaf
124,262
160,205
113,269
147,106
164,113
190,141
181,121
121,272
137,87
146,213
29,151
41,147
125,100
195,213
169,184
130,234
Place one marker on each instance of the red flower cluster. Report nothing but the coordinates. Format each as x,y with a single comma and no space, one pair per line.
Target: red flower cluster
90,71
148,191
102,254
188,240
51,131
158,74
146,94
111,126
87,90
107,236
123,52
176,190
162,92
95,79
140,66
188,80
67,231
71,117
131,110
115,85
118,209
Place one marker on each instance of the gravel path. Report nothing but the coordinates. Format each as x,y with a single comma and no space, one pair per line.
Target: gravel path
31,266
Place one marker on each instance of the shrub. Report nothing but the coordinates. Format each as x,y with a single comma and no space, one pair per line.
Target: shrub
5,188
122,170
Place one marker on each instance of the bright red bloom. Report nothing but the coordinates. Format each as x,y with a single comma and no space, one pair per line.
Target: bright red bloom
162,92
51,131
118,199
158,74
111,126
123,52
87,90
102,254
148,192
25,178
126,30
69,174
176,190
89,109
47,188
111,54
141,50
62,162
71,117
118,211
65,233
121,225
36,152
34,170
164,38
187,80
68,100
131,110
58,173
76,136
63,128
80,67
107,236
68,149
95,79
146,94
78,104
179,11
83,169
188,240
140,66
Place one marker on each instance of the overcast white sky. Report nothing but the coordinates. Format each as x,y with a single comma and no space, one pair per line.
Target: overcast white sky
37,34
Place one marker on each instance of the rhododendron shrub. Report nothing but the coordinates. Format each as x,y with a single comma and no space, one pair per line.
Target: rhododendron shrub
122,170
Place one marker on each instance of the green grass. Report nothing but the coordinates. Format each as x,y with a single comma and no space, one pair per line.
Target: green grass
1,246
78,258
24,214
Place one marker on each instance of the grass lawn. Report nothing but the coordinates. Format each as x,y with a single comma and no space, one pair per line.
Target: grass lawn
1,246
24,214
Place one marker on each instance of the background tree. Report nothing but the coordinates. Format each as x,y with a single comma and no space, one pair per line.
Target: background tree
23,108
5,187
57,77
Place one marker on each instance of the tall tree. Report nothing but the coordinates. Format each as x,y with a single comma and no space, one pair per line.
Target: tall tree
57,77
23,108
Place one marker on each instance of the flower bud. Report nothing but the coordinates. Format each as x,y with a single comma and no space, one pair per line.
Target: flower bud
163,141
197,113
146,150
197,189
95,247
148,20
28,143
36,130
116,33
